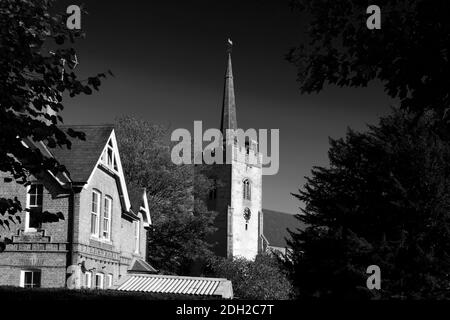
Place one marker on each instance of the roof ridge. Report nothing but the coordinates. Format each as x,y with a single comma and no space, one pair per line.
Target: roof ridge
88,125
178,277
292,214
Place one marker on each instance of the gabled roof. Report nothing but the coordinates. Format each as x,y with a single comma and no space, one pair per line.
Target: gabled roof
136,198
81,159
139,203
140,266
275,225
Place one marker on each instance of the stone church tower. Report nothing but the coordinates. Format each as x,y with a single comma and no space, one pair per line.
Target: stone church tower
237,196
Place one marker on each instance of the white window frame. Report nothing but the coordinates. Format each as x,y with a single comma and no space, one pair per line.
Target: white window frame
137,235
88,280
110,162
22,277
110,201
109,279
30,206
109,150
96,232
102,281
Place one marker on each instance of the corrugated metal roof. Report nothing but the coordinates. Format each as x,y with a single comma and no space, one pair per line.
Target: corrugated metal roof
178,285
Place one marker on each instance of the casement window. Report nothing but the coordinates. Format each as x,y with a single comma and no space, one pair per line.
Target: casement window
107,211
88,280
247,190
30,278
95,213
35,194
109,280
137,226
99,278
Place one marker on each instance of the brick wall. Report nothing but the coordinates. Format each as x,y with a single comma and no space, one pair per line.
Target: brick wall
99,255
45,250
48,249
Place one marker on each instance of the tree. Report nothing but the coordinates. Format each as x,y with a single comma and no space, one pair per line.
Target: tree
33,42
409,55
181,221
384,200
262,279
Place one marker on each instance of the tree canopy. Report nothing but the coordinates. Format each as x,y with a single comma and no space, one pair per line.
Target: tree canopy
384,200
33,42
181,221
409,54
261,279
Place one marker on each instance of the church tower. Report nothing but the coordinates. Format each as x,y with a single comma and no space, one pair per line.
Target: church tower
237,196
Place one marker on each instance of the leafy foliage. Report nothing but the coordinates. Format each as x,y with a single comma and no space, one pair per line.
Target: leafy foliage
181,221
31,85
262,279
410,54
384,200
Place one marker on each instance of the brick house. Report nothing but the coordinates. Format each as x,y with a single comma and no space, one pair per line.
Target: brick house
102,237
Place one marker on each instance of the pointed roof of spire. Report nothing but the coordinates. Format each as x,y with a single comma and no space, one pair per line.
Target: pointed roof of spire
228,105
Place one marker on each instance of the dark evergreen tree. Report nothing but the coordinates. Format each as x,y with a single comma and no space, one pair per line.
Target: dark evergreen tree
384,200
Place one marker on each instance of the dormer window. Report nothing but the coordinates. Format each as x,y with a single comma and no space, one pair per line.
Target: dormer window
109,157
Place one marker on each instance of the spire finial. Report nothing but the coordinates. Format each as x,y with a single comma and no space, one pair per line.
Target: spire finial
229,46
228,106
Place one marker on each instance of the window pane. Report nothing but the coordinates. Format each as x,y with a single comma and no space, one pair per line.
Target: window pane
33,200
99,281
31,279
106,228
94,202
36,279
106,218
39,194
28,279
107,206
35,218
32,189
93,223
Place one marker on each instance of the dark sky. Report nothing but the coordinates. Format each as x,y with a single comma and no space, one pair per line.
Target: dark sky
169,61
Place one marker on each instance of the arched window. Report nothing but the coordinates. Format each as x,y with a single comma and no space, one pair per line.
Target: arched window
247,190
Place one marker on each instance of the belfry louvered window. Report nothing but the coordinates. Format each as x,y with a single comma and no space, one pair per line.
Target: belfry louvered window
247,190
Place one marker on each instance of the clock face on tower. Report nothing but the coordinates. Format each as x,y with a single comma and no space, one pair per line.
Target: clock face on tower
247,214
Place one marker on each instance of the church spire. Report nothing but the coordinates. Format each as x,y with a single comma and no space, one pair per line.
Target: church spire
228,105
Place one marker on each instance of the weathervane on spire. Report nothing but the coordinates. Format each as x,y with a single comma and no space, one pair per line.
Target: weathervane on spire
229,45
